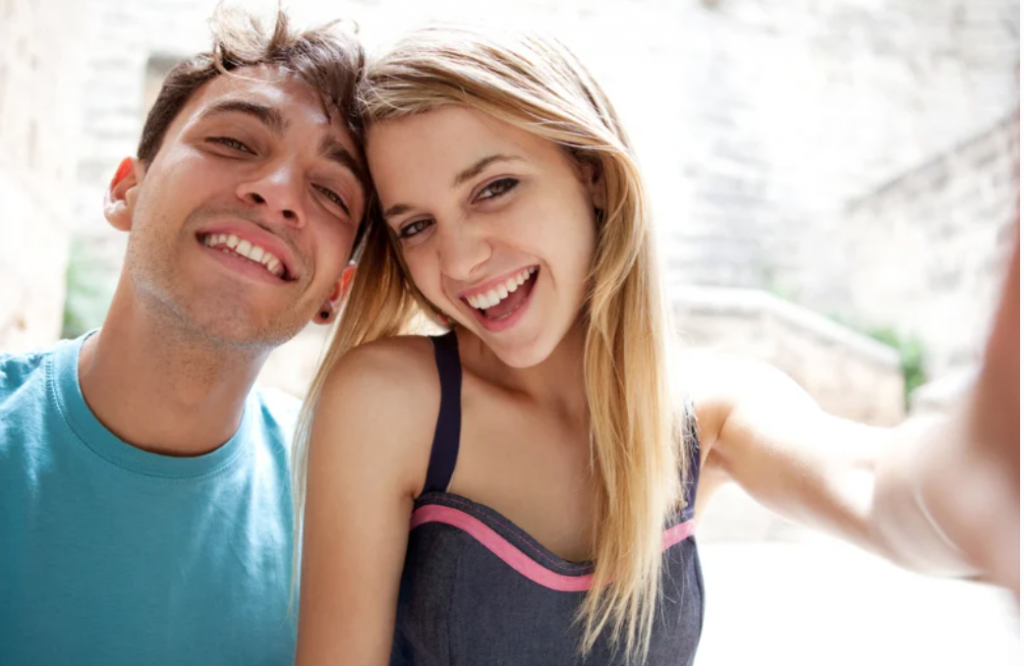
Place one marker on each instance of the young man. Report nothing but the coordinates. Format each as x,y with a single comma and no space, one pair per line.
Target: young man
145,507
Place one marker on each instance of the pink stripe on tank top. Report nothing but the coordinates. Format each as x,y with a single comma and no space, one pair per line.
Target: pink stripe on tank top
513,556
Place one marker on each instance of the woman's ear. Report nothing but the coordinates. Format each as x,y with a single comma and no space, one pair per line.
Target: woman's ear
592,176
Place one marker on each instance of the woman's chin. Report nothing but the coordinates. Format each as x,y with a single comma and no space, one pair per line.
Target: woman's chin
527,344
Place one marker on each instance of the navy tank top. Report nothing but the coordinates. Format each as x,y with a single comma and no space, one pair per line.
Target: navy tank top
477,589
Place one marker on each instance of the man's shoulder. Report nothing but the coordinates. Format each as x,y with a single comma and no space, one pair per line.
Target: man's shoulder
27,413
21,369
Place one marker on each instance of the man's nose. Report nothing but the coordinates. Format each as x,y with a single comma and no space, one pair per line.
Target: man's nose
279,189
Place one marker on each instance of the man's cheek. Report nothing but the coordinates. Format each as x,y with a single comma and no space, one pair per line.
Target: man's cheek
338,257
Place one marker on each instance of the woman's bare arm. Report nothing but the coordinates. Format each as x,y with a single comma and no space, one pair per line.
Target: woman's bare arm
368,458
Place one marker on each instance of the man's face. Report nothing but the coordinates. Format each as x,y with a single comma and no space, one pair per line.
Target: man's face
243,223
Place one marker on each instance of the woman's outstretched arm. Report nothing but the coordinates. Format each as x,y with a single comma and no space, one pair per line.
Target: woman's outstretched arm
939,494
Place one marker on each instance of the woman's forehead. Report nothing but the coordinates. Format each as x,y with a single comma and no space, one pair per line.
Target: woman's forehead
447,141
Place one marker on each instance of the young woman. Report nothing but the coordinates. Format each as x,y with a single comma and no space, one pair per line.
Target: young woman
523,489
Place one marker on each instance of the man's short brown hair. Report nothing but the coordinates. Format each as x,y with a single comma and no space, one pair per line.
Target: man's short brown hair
328,59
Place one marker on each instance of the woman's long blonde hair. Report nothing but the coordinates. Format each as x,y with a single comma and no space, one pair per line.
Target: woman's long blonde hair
638,436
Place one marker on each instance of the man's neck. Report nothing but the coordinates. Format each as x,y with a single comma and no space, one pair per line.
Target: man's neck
162,389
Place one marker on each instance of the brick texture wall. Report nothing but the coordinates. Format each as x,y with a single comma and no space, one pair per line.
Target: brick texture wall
39,107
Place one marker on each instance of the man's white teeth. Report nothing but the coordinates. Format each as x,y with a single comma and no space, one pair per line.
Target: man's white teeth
232,245
497,294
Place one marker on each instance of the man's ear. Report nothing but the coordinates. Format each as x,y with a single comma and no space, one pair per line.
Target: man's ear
119,199
346,279
332,306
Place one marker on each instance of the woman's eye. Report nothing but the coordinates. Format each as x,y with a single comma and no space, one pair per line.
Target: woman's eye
497,188
413,228
333,198
234,144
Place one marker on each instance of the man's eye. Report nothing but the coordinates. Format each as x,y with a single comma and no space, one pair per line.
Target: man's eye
232,143
413,228
333,198
497,188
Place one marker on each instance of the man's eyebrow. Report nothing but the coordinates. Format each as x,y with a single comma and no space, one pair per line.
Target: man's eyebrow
267,115
477,168
336,152
466,174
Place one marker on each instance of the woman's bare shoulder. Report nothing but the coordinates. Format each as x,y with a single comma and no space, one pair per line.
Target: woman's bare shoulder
378,408
386,369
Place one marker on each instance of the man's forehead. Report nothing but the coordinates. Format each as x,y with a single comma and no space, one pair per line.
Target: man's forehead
271,86
280,100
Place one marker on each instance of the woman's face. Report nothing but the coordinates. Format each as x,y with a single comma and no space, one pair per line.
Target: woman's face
495,224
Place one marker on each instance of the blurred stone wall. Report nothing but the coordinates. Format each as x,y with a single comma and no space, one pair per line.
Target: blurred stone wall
40,103
927,250
847,374
788,109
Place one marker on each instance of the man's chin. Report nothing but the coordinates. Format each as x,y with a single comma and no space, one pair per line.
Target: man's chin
238,327
218,308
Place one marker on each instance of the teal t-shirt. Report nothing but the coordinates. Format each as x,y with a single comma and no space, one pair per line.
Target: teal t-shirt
113,555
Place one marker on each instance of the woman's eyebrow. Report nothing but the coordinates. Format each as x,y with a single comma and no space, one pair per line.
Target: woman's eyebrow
477,168
466,174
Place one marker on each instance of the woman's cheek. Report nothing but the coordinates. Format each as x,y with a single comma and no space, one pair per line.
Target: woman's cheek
425,279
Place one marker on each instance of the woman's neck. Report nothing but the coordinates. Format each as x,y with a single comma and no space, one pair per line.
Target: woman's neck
557,381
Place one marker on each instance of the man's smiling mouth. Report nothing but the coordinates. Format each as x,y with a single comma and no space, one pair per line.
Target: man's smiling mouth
232,245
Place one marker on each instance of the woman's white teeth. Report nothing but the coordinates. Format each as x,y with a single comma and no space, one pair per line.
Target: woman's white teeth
232,245
496,295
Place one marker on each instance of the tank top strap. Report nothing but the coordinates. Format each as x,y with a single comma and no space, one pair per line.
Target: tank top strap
445,449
